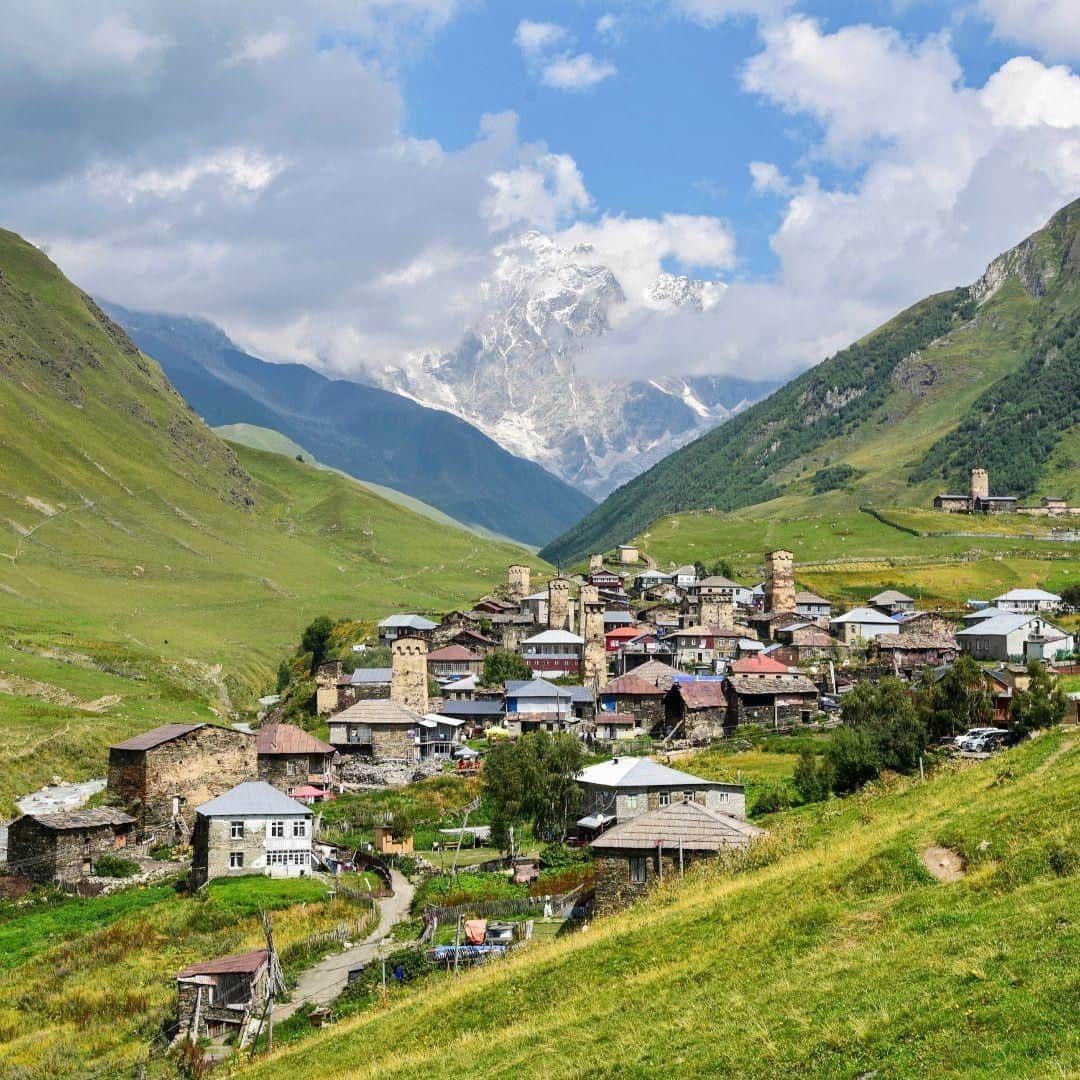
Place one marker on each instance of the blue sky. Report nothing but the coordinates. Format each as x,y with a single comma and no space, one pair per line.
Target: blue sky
340,183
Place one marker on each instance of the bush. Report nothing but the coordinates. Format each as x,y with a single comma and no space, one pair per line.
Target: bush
115,866
557,856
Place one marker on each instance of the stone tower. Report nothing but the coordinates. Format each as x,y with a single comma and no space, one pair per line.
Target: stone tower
518,579
779,582
408,680
717,610
596,564
980,486
592,621
559,604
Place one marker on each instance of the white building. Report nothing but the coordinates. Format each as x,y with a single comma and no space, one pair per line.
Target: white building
864,623
1015,637
251,829
1027,601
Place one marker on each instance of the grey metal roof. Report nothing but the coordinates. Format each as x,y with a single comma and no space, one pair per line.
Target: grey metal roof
410,622
155,737
682,824
83,819
367,676
891,596
473,708
252,797
635,772
864,615
535,688
1006,623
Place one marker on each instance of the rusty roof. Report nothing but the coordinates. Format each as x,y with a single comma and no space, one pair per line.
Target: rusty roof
155,737
454,652
688,824
243,963
97,817
631,685
288,739
759,665
702,695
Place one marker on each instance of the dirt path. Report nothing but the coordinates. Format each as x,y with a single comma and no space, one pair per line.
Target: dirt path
321,984
946,865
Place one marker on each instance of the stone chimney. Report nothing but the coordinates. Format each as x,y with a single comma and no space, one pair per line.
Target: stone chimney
518,580
592,620
409,677
779,582
559,604
980,486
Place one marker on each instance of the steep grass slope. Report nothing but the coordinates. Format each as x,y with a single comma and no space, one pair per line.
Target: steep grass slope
369,433
832,952
987,374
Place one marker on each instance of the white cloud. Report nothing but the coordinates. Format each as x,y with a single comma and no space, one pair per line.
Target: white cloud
714,12
1025,94
541,194
1051,26
576,73
264,46
237,168
534,38
767,177
608,28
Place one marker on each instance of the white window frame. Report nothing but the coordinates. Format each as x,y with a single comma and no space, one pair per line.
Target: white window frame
236,860
277,829
299,827
236,830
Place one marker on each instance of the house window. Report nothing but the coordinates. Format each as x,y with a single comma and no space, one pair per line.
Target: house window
299,828
236,860
631,802
638,869
236,830
277,828
292,767
665,798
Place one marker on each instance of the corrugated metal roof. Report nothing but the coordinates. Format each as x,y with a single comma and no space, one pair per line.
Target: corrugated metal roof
407,622
636,772
759,665
683,823
702,695
288,739
252,797
83,819
243,964
864,615
554,637
629,685
368,676
155,737
892,596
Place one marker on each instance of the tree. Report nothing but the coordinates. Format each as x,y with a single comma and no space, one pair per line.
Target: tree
316,638
958,701
814,776
499,666
533,780
1042,704
1070,596
851,754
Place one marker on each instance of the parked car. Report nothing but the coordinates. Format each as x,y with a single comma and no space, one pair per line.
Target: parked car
997,740
983,741
971,735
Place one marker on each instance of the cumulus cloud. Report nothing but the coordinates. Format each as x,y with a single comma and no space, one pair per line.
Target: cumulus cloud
559,68
1051,26
542,194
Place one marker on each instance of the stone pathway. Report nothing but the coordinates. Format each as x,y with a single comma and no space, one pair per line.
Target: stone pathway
321,984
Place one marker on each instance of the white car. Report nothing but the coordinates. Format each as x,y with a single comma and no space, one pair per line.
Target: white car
975,739
970,736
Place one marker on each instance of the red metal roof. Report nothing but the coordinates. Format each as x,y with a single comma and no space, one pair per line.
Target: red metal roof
288,739
759,665
625,632
245,963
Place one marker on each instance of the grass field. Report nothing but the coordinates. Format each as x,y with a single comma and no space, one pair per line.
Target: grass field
830,952
100,973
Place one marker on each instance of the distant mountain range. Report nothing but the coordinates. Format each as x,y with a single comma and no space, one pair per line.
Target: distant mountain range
372,434
986,375
517,376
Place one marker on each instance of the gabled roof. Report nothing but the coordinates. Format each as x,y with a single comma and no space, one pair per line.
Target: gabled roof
891,596
288,739
865,615
554,637
95,817
473,708
243,964
376,711
778,684
985,613
631,685
702,695
627,632
371,675
657,673
638,772
252,797
407,622
810,598
535,688
718,581
1005,623
1026,594
682,824
759,665
454,652
155,737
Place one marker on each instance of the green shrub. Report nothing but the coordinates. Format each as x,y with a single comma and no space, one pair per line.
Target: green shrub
115,866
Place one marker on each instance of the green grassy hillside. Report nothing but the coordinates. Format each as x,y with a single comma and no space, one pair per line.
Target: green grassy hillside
144,559
831,952
972,376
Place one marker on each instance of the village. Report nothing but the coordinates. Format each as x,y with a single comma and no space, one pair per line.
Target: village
641,674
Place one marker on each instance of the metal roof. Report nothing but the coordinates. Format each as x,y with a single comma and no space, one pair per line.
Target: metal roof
891,596
864,615
1006,623
410,622
244,964
631,685
377,711
288,739
252,797
759,665
367,676
83,819
454,652
554,637
1026,594
702,695
637,772
156,736
473,708
682,824
535,688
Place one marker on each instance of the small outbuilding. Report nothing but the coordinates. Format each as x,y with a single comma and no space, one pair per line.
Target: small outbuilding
63,847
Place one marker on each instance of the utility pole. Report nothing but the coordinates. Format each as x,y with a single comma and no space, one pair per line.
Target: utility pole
457,943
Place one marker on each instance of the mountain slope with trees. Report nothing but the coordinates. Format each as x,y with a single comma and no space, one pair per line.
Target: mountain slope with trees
980,375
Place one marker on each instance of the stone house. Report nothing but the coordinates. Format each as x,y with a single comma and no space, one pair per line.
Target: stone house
381,730
696,709
812,606
927,622
628,554
63,847
612,726
634,696
290,758
910,652
624,787
863,624
634,855
362,684
454,661
771,700
395,626
702,646
475,641
220,998
251,829
329,684
162,775
892,602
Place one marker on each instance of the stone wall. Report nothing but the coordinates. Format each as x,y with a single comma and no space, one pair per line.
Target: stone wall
182,773
392,744
47,855
518,581
615,890
716,611
979,485
779,581
288,771
327,677
409,685
595,653
559,604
